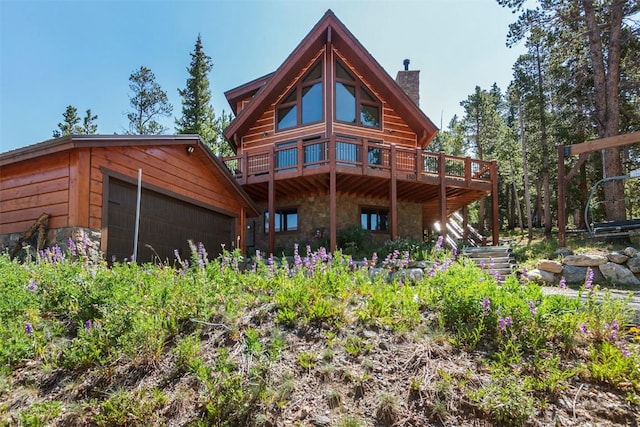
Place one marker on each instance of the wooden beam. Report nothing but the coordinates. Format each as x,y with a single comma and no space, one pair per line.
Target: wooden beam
494,203
79,181
583,157
598,144
272,204
443,194
394,193
333,202
562,202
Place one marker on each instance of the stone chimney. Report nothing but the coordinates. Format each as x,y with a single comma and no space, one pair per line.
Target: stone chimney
409,81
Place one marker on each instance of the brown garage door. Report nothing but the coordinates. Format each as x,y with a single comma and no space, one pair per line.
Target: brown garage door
166,224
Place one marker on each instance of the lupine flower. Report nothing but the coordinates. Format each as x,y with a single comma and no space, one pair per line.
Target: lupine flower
405,260
32,287
589,280
88,325
28,327
439,243
85,240
502,324
497,276
524,271
532,307
454,252
72,246
486,306
583,328
563,283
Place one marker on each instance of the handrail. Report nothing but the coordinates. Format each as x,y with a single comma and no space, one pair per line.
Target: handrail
360,153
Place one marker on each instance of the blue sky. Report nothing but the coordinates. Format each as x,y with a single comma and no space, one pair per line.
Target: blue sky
81,53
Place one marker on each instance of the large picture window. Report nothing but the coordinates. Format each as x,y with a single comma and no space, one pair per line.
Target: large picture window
354,102
284,220
303,105
374,219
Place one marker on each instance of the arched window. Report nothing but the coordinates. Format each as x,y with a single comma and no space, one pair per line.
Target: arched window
303,105
354,102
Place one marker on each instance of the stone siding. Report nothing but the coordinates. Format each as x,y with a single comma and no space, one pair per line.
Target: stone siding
314,221
87,242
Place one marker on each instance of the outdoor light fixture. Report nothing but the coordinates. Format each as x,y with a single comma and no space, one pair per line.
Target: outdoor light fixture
190,149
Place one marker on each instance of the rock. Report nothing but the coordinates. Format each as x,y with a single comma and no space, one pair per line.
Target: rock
574,274
630,252
618,274
425,265
321,421
617,257
584,260
550,266
374,273
562,252
408,275
542,275
633,264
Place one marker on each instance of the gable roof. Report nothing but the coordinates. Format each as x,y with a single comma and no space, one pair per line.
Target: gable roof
105,141
329,30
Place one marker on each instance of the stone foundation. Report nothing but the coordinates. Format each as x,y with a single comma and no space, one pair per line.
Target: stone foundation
86,241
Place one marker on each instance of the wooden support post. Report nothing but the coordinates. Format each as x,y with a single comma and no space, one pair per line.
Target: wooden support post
333,202
242,231
272,203
562,202
495,228
442,165
394,195
79,181
465,223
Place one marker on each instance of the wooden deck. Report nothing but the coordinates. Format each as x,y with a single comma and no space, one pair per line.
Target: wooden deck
364,167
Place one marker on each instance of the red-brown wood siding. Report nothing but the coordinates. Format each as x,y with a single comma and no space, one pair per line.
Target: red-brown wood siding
30,188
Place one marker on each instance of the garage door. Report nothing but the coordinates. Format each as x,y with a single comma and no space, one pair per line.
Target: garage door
166,224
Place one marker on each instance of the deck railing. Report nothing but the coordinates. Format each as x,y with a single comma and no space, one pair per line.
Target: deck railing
358,156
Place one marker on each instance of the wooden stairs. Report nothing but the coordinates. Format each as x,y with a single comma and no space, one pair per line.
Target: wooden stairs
498,260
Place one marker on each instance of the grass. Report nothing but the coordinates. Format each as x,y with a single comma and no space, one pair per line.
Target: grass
250,341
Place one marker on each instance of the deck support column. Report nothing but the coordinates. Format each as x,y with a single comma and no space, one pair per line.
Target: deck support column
465,223
495,207
333,202
443,195
394,195
272,204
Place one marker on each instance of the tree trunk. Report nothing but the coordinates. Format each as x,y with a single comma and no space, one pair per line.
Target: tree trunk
525,173
545,147
606,76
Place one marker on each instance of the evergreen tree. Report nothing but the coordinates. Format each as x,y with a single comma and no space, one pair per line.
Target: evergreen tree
148,102
197,112
70,125
221,146
88,125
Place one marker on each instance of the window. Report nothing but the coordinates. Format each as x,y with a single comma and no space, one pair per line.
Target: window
303,105
374,219
354,102
286,156
285,220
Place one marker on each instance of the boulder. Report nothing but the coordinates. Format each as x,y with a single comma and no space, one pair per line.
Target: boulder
542,276
617,257
630,252
562,252
633,264
408,275
618,274
549,265
584,260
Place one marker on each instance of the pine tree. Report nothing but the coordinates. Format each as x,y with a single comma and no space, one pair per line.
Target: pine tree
88,125
148,101
70,125
197,112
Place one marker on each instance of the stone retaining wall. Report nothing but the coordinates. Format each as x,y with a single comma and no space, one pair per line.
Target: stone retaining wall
86,241
619,268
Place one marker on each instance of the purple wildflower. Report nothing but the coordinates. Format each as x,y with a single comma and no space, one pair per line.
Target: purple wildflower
454,252
32,287
589,280
486,306
583,328
85,241
524,271
439,243
72,246
28,327
88,325
563,283
502,324
532,307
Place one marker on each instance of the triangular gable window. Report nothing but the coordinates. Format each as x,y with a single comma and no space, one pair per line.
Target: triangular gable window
303,105
355,103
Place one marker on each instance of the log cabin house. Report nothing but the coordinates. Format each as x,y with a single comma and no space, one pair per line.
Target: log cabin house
87,186
330,140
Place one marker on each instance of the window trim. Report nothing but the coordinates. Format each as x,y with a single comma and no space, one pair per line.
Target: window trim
360,101
284,212
298,88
